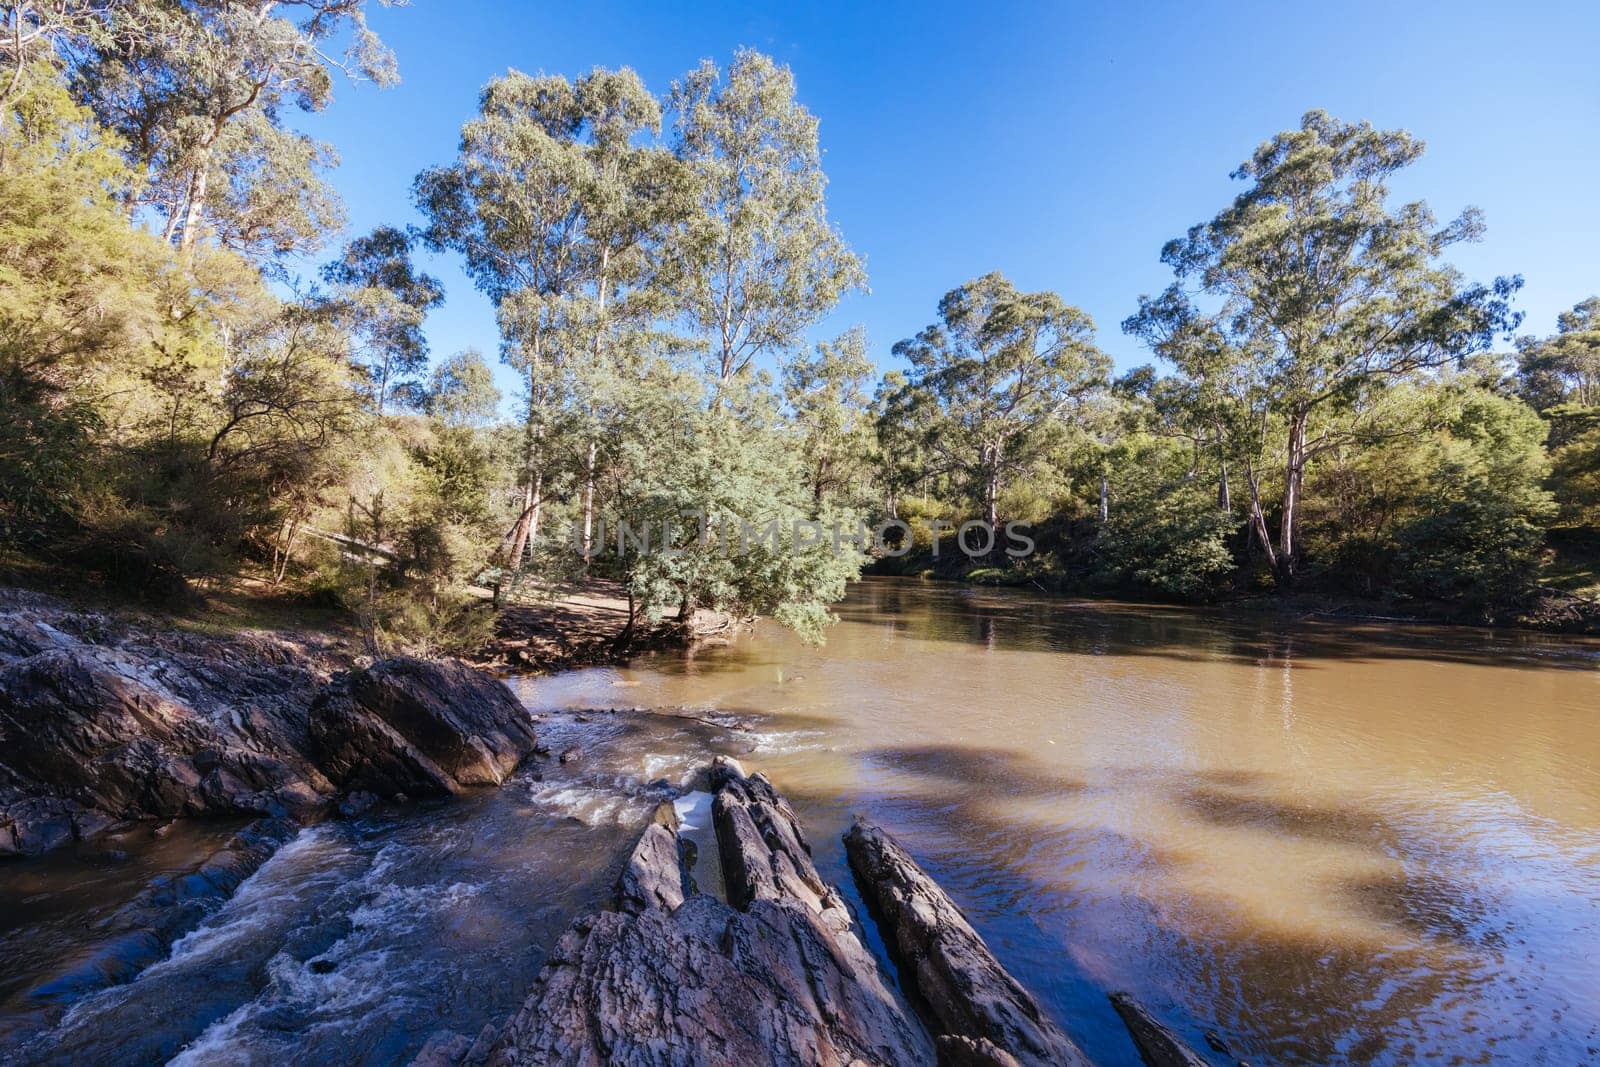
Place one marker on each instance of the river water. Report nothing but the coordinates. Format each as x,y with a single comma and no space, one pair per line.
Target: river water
1322,842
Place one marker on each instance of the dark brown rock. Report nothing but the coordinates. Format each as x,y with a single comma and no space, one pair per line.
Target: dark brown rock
957,984
418,728
101,722
784,978
1158,1046
99,725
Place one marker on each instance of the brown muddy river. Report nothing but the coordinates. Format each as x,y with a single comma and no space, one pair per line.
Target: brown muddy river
1327,843
1323,842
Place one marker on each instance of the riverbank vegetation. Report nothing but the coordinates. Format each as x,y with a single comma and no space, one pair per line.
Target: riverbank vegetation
1331,408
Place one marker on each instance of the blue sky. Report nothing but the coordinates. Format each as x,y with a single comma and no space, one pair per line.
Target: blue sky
1061,144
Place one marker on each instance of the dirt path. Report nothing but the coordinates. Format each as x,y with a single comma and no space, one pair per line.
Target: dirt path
580,625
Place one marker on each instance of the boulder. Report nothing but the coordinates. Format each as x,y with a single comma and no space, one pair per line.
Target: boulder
97,727
779,975
980,1013
411,727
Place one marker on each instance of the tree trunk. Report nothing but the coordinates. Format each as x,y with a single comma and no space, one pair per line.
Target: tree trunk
991,490
1258,518
527,527
1224,491
625,638
588,502
1105,500
283,549
1293,474
199,178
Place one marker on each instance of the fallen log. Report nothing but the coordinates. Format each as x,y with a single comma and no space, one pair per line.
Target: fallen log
979,1013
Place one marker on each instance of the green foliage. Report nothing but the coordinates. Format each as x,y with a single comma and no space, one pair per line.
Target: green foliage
171,419
1328,296
1575,471
383,299
196,91
1564,368
756,260
989,379
1164,530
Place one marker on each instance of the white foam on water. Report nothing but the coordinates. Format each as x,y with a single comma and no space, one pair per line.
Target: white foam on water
694,810
278,889
785,741
370,973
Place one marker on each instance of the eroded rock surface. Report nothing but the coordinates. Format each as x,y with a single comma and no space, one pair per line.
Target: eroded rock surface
99,723
418,728
980,1013
779,976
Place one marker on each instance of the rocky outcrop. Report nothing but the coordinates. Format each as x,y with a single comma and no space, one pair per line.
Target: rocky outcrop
99,723
418,728
142,930
102,722
778,975
980,1013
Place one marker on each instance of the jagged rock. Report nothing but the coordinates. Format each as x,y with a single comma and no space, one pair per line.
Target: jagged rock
99,725
101,722
445,1048
1158,1046
958,1051
655,876
783,978
420,728
960,988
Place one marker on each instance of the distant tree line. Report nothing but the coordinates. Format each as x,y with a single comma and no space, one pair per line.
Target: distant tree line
181,408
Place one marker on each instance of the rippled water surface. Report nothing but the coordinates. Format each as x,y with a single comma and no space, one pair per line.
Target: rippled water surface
1322,842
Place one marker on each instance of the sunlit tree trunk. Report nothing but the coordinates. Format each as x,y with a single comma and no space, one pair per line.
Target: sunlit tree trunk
1293,477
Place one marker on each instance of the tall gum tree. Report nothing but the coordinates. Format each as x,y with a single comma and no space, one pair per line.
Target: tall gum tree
632,191
197,89
511,206
559,201
1324,291
383,299
991,375
757,261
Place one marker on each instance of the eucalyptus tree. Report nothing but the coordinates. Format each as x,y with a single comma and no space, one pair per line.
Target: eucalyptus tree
719,494
1325,290
898,447
384,298
1217,399
557,201
511,206
197,90
757,260
991,375
1565,367
631,191
826,392
461,391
